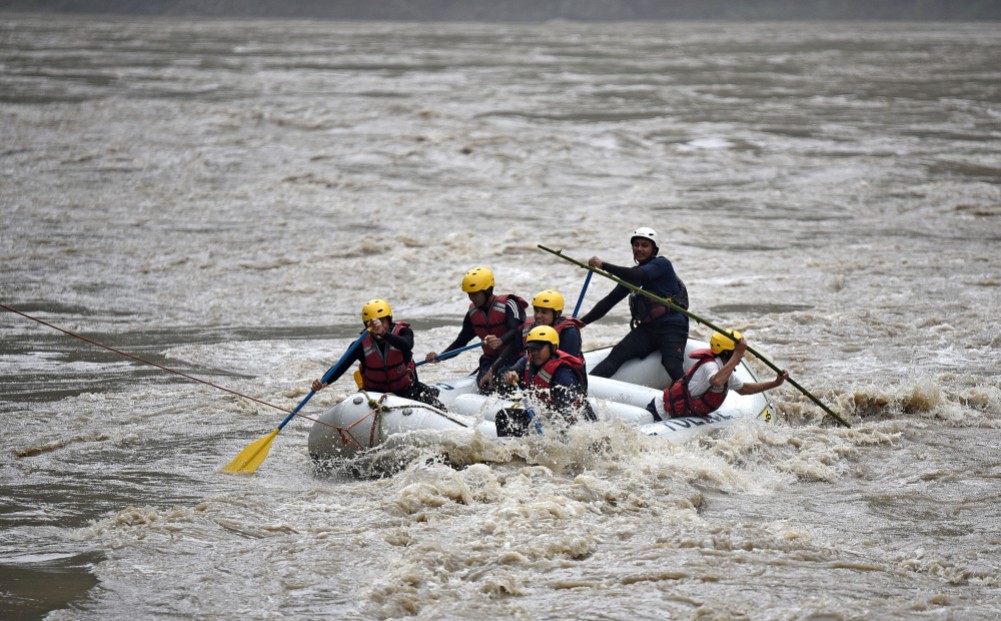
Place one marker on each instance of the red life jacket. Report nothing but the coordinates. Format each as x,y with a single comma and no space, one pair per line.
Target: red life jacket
542,380
678,400
494,320
386,371
559,326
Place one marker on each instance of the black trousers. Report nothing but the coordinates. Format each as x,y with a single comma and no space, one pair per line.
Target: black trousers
669,339
423,393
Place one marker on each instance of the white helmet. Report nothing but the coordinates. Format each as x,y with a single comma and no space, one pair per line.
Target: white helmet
646,233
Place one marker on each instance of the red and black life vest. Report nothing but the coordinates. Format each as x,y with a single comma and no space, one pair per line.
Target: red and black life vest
678,400
493,320
559,326
386,370
542,379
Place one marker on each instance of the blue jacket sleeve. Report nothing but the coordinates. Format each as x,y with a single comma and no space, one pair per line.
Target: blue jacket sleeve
570,341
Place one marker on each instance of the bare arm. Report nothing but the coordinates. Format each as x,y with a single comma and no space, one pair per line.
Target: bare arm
721,377
752,388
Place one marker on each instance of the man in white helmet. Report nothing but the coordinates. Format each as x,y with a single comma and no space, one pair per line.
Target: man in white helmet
655,327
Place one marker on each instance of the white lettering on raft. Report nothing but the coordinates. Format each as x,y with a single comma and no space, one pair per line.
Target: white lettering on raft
688,422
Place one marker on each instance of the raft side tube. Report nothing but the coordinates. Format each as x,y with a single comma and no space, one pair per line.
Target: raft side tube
366,420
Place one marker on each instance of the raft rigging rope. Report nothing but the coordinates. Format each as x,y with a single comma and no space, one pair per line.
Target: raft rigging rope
159,366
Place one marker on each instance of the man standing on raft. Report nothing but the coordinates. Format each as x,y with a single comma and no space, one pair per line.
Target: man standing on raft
654,326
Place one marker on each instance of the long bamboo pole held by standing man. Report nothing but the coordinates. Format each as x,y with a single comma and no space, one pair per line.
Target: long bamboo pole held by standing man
669,303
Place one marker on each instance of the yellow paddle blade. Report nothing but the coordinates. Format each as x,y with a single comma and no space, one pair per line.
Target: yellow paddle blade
358,379
253,456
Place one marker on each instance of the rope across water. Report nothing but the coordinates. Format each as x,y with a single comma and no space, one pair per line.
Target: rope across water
158,366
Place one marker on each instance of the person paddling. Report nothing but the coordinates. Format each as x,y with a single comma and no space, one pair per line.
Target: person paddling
704,388
496,319
385,358
556,379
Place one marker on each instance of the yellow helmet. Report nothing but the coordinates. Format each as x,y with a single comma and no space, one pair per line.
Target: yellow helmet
477,279
720,343
375,309
549,299
543,334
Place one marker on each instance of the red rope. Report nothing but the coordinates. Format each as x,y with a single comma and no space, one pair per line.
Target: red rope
159,366
348,439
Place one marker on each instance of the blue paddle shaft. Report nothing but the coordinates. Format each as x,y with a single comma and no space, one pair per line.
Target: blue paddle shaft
296,410
583,290
454,352
326,378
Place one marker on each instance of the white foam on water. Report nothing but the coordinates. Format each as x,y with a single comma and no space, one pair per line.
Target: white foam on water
227,208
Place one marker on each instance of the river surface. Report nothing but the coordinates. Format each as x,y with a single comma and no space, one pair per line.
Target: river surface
222,197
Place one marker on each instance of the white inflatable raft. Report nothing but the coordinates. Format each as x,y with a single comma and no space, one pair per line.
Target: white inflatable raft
367,420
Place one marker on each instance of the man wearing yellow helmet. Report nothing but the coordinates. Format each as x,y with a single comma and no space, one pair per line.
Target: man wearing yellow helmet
654,326
556,378
385,357
497,319
547,307
703,389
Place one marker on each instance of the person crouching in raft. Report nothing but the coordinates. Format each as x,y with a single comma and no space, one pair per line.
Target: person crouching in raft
556,378
704,388
385,358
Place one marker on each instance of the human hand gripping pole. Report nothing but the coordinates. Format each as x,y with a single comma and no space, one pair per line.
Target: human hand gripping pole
253,456
667,302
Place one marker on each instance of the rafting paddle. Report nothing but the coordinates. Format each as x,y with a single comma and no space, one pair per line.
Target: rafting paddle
667,302
451,353
253,456
583,290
